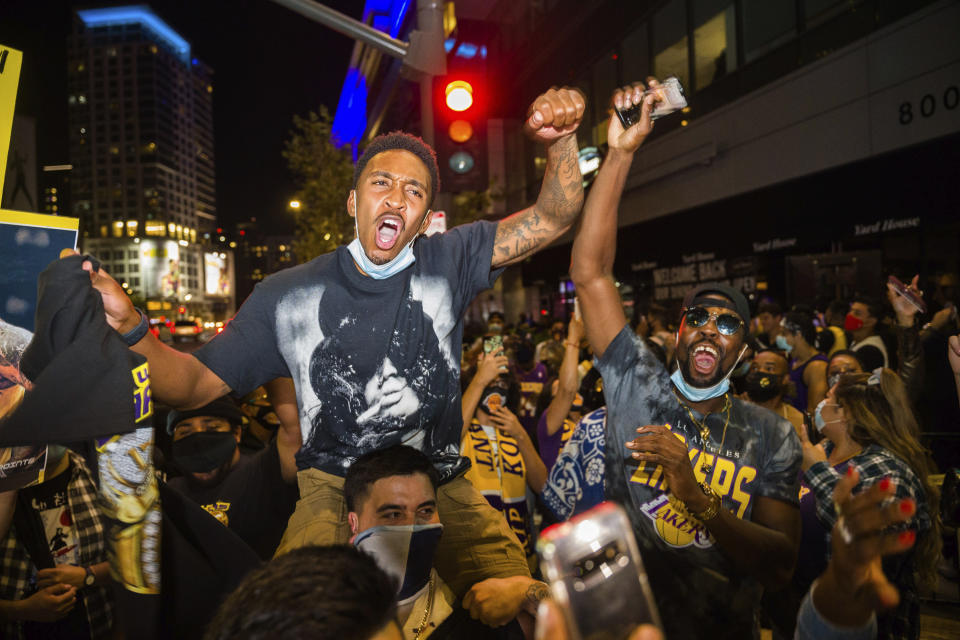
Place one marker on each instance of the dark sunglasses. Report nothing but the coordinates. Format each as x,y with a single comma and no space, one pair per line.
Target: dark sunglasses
727,323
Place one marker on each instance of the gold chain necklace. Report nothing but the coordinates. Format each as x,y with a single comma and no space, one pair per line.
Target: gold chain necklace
426,611
705,431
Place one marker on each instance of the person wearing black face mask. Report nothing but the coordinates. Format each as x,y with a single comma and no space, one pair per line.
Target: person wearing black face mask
246,493
768,382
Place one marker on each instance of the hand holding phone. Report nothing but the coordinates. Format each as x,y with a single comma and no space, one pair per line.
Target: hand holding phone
596,575
669,98
911,296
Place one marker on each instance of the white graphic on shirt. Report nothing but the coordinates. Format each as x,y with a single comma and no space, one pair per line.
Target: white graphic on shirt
388,394
344,410
435,297
298,333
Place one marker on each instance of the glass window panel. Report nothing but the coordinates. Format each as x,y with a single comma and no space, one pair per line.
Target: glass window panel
670,41
604,82
819,10
635,56
714,46
767,24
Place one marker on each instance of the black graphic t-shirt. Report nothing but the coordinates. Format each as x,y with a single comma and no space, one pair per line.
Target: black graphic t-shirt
699,592
375,362
252,500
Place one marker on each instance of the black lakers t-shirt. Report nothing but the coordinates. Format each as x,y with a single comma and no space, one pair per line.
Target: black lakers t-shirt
375,362
699,592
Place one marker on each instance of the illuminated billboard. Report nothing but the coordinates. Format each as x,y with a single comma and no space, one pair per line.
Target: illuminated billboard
160,269
217,274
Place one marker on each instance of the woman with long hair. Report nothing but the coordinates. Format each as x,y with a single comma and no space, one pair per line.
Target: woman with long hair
867,422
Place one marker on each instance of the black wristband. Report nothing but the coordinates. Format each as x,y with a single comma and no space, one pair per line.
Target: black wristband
136,334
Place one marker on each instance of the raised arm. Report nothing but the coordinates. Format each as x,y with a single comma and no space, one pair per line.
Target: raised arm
488,368
559,407
553,119
595,242
909,346
177,379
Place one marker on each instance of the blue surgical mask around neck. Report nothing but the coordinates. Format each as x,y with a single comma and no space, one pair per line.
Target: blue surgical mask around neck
380,271
699,394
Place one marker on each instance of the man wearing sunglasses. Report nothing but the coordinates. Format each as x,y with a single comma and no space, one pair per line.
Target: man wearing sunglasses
709,481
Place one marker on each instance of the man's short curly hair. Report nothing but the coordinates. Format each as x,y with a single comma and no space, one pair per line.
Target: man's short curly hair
404,142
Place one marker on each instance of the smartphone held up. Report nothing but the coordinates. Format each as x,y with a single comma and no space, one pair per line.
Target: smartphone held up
596,575
669,98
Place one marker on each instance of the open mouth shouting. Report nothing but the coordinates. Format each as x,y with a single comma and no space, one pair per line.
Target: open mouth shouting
389,228
705,358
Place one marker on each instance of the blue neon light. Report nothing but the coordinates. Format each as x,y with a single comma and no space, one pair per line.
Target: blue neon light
483,52
137,14
388,15
448,44
350,120
466,50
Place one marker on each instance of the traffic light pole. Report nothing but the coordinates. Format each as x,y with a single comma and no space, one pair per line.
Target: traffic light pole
424,53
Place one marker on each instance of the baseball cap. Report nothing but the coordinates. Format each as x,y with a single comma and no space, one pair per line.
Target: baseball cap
696,297
222,407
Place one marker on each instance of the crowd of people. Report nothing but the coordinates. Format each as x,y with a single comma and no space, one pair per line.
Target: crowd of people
373,472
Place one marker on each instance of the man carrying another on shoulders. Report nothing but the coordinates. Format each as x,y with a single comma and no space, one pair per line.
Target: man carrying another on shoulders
709,481
371,334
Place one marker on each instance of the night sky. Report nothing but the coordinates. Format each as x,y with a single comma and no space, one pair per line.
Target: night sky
269,64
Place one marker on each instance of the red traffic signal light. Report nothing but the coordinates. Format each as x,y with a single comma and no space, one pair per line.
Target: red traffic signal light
459,95
461,117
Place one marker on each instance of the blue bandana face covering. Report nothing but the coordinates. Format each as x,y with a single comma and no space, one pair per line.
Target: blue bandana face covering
699,394
403,551
380,271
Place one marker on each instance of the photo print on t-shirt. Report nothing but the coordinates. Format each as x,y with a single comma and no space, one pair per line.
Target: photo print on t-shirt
365,382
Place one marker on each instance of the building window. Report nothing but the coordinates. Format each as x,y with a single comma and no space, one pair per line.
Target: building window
816,11
604,82
635,56
155,229
714,40
670,42
766,25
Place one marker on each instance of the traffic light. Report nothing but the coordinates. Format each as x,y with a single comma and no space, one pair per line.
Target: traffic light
460,134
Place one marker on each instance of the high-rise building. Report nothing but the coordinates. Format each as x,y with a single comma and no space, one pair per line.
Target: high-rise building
141,146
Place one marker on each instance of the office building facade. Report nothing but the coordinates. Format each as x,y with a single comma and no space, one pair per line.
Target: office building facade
141,146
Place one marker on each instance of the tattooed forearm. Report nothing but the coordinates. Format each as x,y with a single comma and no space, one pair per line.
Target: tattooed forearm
557,207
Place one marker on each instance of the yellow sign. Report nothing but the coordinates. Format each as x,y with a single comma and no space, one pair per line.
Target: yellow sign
10,62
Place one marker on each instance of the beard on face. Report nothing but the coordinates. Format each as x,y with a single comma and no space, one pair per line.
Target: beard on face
685,362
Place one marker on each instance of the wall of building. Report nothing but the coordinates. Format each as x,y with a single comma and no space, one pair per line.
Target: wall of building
896,88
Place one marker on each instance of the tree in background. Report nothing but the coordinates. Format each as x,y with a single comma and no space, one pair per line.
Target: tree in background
324,176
